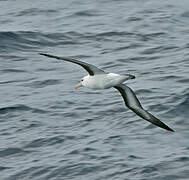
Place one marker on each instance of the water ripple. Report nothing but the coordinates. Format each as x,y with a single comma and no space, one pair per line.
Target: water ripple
12,151
20,107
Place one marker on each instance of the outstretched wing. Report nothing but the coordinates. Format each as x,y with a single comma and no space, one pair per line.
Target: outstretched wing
133,103
91,69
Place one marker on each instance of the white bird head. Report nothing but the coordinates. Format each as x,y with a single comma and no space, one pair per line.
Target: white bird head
83,82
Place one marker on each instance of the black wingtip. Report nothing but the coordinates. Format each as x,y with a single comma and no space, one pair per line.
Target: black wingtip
169,129
164,126
48,55
133,77
43,54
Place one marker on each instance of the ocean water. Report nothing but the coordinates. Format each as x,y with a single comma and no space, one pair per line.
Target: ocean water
50,131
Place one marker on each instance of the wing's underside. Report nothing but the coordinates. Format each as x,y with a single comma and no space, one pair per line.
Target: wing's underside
133,103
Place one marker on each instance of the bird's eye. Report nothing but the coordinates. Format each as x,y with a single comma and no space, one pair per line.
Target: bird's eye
82,80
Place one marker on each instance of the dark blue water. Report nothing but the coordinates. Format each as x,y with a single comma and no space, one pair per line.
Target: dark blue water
50,131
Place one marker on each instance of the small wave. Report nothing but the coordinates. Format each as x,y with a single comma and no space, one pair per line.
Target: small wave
13,71
182,159
143,91
148,169
159,49
47,141
35,11
86,13
15,81
31,172
185,14
171,77
74,170
133,19
19,107
11,151
13,57
42,84
183,80
181,108
131,46
114,33
27,40
4,168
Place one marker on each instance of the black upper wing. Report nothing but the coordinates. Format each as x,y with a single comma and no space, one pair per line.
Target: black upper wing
91,69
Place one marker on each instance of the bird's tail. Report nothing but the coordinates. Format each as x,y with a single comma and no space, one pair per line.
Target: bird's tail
129,76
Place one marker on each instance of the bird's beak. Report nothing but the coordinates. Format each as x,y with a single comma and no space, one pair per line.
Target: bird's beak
78,85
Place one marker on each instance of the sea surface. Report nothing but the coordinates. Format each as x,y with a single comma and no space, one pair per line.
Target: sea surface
51,131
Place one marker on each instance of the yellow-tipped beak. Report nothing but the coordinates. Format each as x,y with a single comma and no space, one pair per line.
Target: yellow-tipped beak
78,85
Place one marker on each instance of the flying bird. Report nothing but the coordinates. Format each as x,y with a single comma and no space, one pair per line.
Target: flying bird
99,79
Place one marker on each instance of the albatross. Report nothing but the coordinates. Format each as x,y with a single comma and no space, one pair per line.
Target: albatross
99,79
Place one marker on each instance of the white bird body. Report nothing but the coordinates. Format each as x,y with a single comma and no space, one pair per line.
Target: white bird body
103,81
